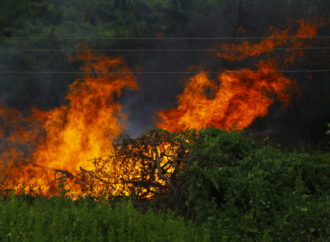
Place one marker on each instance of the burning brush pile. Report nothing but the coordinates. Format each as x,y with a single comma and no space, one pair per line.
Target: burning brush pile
40,148
60,143
149,169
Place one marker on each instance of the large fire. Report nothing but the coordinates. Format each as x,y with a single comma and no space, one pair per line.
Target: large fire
75,133
68,138
240,97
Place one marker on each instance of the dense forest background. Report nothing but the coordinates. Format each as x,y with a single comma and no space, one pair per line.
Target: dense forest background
66,24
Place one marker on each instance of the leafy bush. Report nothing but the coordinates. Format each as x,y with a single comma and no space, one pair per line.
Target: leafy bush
257,193
237,190
64,220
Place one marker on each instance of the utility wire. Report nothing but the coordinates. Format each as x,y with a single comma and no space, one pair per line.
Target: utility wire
108,50
217,38
169,72
192,72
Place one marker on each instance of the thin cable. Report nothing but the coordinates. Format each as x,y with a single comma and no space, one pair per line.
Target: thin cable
218,38
107,50
182,72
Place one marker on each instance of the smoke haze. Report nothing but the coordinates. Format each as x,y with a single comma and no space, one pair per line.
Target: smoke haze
306,114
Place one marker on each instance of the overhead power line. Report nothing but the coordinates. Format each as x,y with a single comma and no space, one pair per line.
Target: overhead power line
109,50
169,72
216,38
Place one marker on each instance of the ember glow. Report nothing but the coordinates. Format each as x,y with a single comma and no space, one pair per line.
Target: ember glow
72,138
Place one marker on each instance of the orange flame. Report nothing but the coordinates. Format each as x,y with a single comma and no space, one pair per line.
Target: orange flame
308,28
74,133
66,138
240,97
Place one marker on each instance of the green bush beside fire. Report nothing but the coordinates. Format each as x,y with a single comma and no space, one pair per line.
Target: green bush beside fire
238,190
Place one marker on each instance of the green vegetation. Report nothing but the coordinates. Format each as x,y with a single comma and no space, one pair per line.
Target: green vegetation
259,193
239,190
61,220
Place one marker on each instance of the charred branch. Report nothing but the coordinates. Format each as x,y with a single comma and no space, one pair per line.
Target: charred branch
143,167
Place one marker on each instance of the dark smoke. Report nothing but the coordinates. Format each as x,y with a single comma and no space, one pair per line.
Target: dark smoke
306,115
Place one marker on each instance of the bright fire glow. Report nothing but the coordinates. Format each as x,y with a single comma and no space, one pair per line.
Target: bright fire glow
239,97
69,137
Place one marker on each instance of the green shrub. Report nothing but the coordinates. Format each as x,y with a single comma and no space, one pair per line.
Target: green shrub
69,221
238,191
258,193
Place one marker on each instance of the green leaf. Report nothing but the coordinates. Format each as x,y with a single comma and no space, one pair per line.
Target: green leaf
304,209
311,230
